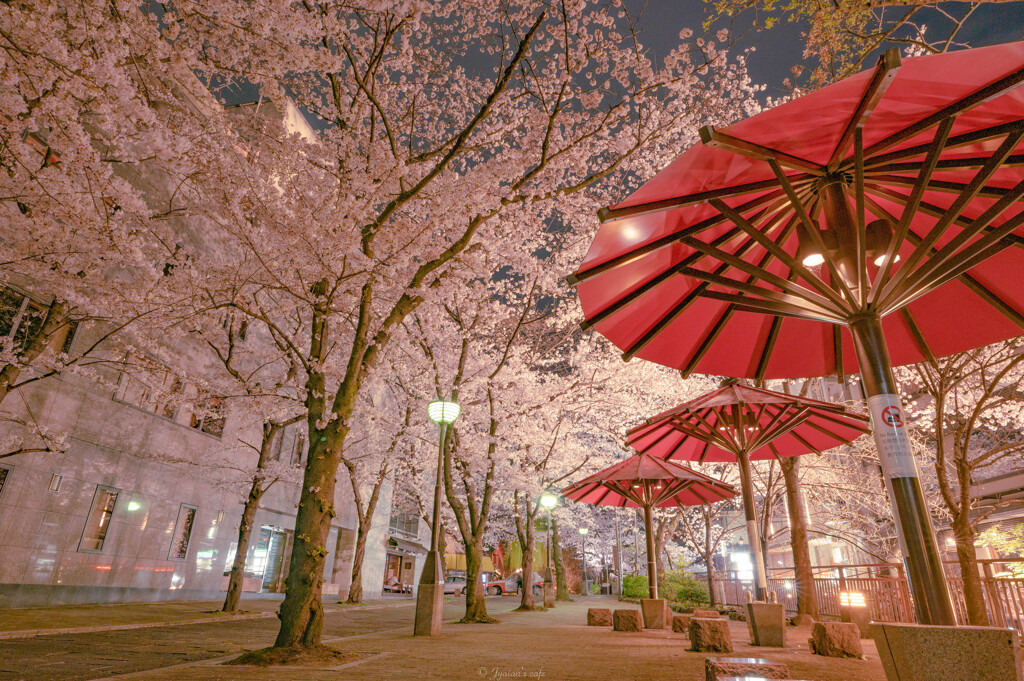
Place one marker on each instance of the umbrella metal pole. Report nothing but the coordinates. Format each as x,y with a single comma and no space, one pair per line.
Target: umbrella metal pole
652,574
753,536
928,586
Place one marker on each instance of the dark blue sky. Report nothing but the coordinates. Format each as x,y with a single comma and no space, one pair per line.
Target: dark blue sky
782,47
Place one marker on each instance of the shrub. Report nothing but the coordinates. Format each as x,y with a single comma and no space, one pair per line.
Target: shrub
682,587
634,586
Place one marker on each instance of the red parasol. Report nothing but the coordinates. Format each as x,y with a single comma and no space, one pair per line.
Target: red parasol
740,423
877,219
643,481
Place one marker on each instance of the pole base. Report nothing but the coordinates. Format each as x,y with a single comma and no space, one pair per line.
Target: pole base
549,595
429,603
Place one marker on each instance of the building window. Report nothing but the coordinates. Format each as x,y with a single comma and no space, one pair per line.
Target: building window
69,338
299,449
4,472
210,418
404,523
20,319
98,523
182,533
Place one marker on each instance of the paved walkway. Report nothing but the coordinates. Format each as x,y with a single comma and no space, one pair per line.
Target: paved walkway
541,645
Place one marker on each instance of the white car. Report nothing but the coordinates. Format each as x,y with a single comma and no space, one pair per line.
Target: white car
513,584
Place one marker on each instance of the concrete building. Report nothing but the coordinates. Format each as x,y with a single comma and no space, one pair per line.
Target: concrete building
138,503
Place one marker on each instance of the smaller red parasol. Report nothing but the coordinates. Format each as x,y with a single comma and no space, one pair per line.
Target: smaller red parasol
643,481
740,423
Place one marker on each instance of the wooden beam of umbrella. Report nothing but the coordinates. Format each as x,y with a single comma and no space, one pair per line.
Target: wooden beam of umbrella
647,482
738,423
873,223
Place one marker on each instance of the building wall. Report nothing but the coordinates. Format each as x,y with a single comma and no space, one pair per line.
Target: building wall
155,464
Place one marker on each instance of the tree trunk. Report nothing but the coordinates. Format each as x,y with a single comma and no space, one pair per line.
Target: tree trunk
527,602
561,587
974,594
355,589
476,601
709,562
235,581
302,611
806,596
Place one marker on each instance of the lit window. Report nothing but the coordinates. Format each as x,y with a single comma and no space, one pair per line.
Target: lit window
182,533
20,319
98,523
4,472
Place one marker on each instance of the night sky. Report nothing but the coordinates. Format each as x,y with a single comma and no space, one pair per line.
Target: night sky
780,48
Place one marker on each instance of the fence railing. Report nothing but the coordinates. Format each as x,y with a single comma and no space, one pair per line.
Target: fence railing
886,592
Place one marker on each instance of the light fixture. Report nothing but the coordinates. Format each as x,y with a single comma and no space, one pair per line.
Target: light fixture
852,599
808,252
441,411
878,235
548,500
134,505
584,531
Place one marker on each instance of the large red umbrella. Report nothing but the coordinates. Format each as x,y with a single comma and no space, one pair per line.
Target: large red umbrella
646,482
740,423
877,220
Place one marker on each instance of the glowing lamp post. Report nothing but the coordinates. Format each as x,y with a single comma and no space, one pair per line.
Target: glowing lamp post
548,501
430,595
586,582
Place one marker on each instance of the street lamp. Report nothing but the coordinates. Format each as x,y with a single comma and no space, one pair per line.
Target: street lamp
586,582
549,501
430,595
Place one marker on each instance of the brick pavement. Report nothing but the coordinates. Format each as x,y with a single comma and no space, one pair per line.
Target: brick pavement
552,645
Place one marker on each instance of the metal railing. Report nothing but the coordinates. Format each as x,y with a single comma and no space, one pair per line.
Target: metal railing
887,592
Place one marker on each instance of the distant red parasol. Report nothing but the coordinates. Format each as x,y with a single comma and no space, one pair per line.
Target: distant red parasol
646,482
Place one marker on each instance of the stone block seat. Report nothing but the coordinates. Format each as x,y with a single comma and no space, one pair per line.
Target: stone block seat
599,617
653,610
710,635
681,624
627,620
707,614
836,639
719,668
918,652
766,623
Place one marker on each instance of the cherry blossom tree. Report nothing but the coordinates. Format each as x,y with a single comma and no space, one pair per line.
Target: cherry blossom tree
971,405
418,150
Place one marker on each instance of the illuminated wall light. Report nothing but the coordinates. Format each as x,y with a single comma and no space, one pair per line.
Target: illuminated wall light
852,599
134,505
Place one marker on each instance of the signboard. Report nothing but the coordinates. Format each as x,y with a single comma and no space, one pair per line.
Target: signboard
889,423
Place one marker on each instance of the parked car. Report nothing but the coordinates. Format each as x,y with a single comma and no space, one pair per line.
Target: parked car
513,584
455,585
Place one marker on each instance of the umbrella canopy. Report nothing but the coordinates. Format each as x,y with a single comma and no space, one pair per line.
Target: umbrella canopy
720,263
739,423
772,425
643,481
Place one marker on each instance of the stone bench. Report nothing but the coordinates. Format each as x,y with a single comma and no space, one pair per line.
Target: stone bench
599,617
836,639
766,623
710,635
627,620
919,652
707,614
719,668
681,624
653,610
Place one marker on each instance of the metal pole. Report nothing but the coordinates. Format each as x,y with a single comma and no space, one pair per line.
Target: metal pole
652,574
586,581
430,598
753,536
932,602
618,555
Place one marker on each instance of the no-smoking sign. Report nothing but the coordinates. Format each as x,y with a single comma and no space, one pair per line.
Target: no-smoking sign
892,416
